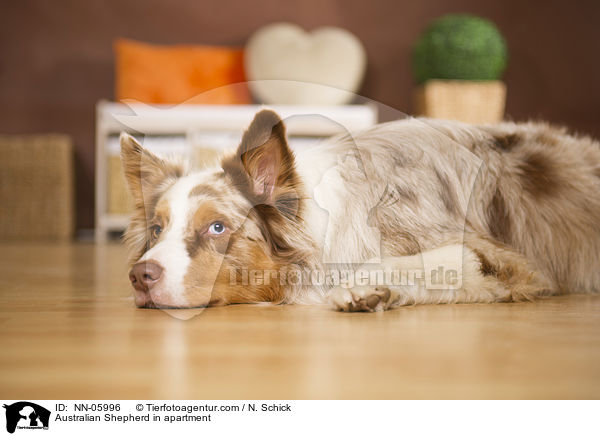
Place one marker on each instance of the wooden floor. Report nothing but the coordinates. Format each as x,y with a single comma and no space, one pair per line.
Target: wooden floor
68,329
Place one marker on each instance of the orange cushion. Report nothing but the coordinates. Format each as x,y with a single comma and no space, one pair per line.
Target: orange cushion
182,73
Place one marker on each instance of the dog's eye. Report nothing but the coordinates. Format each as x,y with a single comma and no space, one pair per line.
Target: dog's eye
156,231
216,228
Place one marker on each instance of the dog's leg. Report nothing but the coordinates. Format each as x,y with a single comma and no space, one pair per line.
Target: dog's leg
478,271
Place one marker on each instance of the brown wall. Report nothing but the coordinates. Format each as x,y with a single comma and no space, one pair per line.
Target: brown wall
56,56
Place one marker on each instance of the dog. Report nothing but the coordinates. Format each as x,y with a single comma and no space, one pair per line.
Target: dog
506,212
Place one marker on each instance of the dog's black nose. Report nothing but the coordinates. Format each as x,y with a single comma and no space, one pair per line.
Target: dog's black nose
144,275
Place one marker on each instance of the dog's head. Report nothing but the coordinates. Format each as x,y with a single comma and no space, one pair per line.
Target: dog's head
193,233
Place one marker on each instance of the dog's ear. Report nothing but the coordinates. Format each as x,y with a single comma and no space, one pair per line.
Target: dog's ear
264,158
144,171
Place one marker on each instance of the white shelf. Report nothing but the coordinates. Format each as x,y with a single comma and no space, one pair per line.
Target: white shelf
114,222
300,120
160,145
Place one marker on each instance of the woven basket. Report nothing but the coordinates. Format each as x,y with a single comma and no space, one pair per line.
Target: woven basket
119,201
36,187
471,102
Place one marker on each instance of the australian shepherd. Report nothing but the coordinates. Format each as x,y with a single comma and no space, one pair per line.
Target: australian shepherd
407,212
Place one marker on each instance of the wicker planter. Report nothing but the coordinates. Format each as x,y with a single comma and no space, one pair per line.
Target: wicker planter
471,102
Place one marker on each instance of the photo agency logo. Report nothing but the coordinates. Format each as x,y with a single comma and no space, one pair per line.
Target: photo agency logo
24,415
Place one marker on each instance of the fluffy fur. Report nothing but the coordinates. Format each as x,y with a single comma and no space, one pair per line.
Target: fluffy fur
510,210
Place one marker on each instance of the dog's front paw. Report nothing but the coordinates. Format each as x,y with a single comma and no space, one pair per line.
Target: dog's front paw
361,299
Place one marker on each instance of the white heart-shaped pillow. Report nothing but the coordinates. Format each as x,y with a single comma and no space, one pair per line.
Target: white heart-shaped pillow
286,65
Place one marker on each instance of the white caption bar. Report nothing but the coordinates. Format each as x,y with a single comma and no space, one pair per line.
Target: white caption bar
41,417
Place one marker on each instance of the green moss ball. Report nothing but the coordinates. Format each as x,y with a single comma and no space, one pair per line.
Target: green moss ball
460,47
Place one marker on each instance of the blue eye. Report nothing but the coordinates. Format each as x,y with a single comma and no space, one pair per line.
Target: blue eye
216,228
155,231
